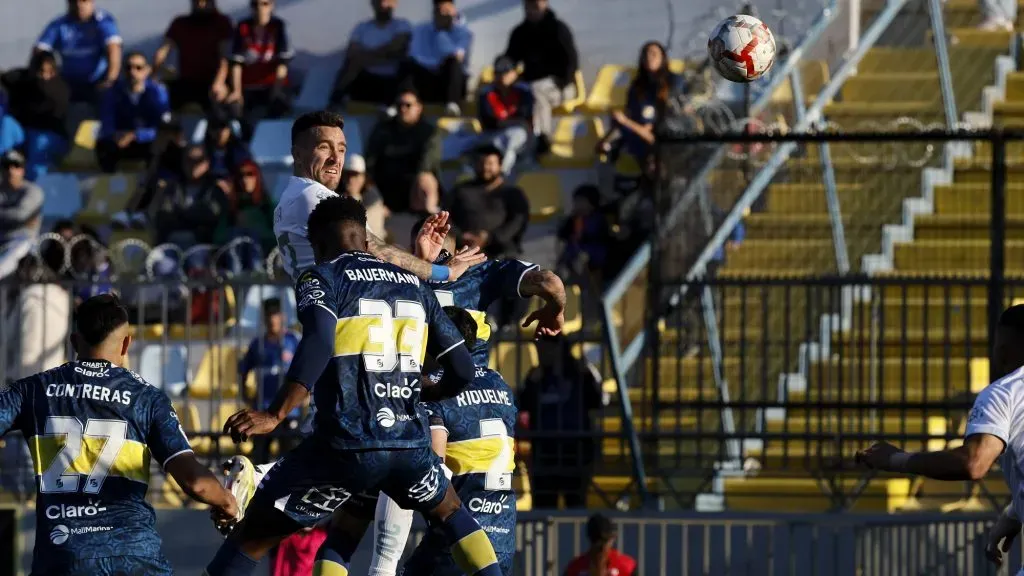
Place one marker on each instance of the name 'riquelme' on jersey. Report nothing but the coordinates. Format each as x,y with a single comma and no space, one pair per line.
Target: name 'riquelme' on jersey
367,396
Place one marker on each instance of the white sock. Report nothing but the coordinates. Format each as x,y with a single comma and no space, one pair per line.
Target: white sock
391,527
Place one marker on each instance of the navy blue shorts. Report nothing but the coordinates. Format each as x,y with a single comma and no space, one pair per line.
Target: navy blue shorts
433,562
116,566
313,480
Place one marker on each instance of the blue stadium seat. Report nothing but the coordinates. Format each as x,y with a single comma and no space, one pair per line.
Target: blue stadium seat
318,85
252,308
165,367
62,195
199,130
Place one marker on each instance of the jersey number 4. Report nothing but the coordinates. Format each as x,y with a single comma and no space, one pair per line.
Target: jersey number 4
65,471
398,334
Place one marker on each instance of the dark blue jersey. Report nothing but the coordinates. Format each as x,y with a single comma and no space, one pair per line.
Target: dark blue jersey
366,397
477,289
480,423
92,428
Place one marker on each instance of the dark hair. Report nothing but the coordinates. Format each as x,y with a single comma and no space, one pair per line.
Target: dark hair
589,192
657,83
98,317
488,150
271,306
332,211
136,54
311,120
1013,319
600,529
408,88
464,323
40,58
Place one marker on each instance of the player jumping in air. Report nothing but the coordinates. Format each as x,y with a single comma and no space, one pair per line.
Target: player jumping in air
475,292
993,426
365,333
92,428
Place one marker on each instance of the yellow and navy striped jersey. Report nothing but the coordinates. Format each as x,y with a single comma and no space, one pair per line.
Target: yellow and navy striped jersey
387,320
480,423
479,288
92,428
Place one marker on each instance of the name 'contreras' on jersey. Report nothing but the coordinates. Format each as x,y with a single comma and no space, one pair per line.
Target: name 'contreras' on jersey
92,428
299,198
477,289
367,396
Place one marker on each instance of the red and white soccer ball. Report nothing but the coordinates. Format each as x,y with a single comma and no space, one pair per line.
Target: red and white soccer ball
742,48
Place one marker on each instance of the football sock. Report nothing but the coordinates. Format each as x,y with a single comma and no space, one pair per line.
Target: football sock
334,555
231,561
471,548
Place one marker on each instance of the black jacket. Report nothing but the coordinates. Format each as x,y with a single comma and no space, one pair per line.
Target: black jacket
35,103
546,49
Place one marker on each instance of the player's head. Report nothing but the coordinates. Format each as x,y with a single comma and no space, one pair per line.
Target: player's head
337,225
600,531
464,323
450,243
1009,345
318,147
102,330
273,319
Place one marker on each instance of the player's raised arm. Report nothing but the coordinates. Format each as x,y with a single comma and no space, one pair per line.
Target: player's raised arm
451,270
315,296
446,344
548,286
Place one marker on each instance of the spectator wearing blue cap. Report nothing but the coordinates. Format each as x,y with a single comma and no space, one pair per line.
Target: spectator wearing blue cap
506,112
89,45
130,116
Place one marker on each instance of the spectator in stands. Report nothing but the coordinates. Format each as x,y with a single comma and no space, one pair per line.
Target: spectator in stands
249,213
355,183
165,171
602,559
38,317
21,201
558,396
491,213
269,356
403,157
90,266
545,47
439,58
998,14
11,133
189,213
224,148
89,46
202,38
130,116
506,112
374,56
586,237
38,100
260,53
646,100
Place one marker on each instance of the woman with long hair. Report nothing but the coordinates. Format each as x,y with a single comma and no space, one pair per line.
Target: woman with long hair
601,559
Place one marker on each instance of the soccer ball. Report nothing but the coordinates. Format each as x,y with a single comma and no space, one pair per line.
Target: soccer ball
742,48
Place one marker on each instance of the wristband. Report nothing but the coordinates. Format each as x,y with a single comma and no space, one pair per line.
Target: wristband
443,257
898,461
438,273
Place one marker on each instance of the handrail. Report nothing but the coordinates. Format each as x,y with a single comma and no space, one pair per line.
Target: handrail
942,55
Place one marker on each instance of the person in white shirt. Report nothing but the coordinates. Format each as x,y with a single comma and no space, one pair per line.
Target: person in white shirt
995,427
375,52
318,148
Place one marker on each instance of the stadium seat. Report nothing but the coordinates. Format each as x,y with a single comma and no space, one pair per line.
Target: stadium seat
460,135
165,367
62,196
609,90
573,142
252,307
216,328
317,85
188,415
272,143
570,105
225,446
889,87
544,192
199,130
82,156
805,495
217,373
514,360
108,195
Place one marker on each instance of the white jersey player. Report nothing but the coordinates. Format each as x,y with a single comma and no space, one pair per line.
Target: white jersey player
995,425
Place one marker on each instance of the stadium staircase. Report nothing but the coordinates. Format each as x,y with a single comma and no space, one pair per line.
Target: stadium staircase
909,209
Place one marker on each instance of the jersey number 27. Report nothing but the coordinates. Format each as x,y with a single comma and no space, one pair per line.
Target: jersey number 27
65,471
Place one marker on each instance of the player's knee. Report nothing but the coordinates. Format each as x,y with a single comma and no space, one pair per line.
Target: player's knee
450,505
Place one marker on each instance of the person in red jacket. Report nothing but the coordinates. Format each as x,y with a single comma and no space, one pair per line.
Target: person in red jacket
602,559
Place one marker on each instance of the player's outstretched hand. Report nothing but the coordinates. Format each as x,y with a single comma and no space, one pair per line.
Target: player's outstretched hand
879,456
550,319
247,423
464,260
430,239
225,517
1001,537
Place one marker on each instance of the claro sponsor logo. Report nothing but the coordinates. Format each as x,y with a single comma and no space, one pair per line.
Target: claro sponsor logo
402,391
58,512
484,506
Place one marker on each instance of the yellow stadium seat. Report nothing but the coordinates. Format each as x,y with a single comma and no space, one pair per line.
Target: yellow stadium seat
544,192
226,320
609,90
676,66
108,194
514,360
188,415
521,485
977,38
454,125
627,165
805,494
570,105
574,142
882,87
82,156
217,373
226,447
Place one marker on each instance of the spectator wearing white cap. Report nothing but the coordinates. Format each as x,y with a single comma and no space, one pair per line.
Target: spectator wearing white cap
21,201
355,183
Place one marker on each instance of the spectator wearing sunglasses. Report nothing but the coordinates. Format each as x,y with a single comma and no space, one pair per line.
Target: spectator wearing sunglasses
89,45
260,53
130,116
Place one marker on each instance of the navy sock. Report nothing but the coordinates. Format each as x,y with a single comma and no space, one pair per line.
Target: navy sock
231,561
334,555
